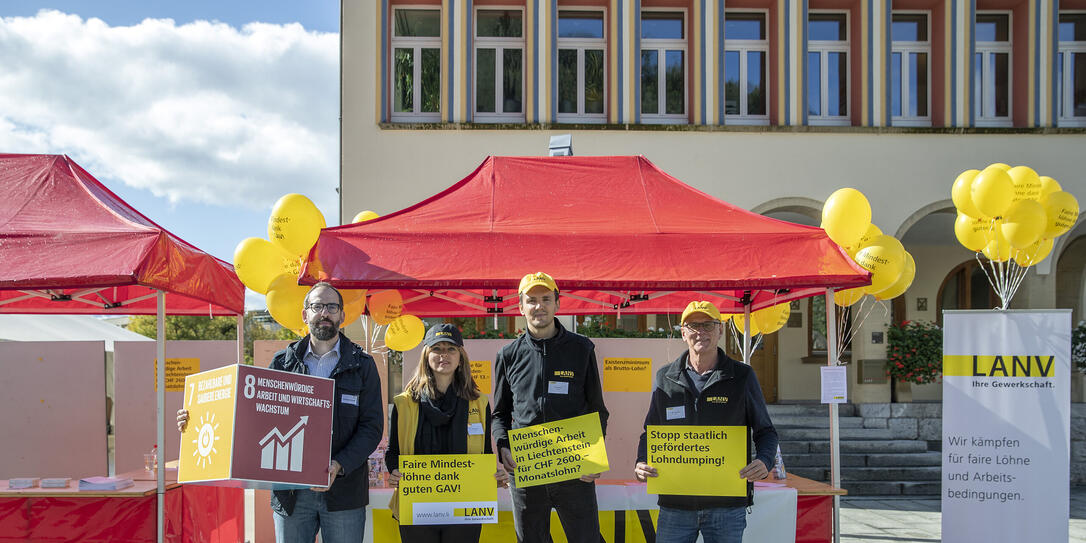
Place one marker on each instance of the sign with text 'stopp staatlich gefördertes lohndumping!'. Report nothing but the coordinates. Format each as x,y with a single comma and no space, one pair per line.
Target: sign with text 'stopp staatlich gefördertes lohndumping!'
255,427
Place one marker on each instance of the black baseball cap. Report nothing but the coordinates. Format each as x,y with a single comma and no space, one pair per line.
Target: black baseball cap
443,332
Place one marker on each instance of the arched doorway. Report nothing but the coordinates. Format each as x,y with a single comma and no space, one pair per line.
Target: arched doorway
965,287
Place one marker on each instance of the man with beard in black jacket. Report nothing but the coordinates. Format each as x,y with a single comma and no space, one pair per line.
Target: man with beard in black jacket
547,374
338,510
705,387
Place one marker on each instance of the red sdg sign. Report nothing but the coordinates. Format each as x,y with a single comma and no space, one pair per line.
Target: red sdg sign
257,428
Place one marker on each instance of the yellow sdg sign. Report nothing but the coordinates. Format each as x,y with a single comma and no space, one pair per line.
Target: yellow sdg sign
697,460
209,397
558,451
448,489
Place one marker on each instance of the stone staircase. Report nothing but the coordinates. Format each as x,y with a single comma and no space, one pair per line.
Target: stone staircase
886,449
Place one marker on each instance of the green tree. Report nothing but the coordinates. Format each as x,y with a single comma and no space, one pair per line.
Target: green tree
192,327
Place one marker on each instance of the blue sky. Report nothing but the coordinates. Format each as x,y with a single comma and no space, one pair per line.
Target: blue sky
200,121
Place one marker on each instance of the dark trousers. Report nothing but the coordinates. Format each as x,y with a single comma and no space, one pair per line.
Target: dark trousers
440,533
575,502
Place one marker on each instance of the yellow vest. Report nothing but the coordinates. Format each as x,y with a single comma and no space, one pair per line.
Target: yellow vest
407,425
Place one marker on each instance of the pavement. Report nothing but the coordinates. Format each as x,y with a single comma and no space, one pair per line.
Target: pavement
895,519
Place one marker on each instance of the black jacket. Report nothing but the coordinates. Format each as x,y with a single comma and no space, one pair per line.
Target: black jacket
742,405
356,429
523,370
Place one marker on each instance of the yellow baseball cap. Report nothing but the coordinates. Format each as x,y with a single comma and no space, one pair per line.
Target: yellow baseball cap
536,279
703,307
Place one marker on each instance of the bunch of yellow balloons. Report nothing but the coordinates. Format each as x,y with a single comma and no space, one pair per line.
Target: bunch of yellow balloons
1011,213
271,267
763,321
846,218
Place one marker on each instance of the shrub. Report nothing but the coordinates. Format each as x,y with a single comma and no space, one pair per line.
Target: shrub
915,352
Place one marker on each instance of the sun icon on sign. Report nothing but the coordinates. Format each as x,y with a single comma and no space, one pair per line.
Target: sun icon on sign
205,441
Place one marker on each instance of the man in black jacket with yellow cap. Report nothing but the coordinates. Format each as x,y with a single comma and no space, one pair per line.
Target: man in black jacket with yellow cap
705,387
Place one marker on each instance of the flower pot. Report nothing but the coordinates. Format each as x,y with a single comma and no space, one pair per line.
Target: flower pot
903,391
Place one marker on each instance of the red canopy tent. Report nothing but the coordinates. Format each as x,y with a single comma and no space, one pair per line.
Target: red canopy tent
69,245
616,233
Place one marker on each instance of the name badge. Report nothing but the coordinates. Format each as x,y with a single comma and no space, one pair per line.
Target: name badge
557,387
475,429
677,412
349,398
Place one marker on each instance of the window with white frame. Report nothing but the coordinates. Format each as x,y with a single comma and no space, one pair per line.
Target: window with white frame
827,68
499,65
416,65
992,69
582,67
746,55
663,66
1071,70
910,72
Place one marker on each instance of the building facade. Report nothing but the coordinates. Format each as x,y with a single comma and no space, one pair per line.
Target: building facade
768,104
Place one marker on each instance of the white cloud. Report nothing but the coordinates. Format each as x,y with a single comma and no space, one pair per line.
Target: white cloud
201,112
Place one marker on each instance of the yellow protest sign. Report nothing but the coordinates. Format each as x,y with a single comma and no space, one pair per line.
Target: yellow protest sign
558,451
480,371
176,371
627,374
206,447
697,460
448,489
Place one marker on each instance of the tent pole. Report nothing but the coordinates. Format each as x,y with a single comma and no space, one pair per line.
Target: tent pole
835,438
241,337
746,334
161,411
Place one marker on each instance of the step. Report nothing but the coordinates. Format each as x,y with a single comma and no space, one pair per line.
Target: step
916,473
799,421
821,460
882,446
810,434
904,459
873,488
918,488
815,474
809,410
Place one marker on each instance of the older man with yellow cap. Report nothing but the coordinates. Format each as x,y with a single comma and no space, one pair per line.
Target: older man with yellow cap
547,374
706,387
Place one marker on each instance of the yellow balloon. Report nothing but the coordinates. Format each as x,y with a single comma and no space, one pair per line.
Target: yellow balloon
847,297
739,322
884,257
364,216
1061,210
871,233
1027,184
772,318
351,310
960,193
1024,223
971,232
258,262
903,283
405,333
846,216
998,249
1048,186
286,301
992,192
385,306
294,224
353,295
1033,254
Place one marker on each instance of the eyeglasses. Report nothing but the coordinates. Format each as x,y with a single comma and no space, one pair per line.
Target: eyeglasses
703,327
318,307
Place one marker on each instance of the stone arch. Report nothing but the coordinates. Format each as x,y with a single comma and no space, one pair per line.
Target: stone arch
808,207
918,215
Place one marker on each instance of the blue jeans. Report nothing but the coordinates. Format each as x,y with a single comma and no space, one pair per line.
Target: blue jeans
717,525
311,513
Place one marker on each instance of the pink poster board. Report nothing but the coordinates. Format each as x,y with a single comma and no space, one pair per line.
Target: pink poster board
134,403
53,402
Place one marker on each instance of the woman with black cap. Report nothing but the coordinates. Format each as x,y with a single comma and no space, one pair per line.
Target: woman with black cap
440,411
